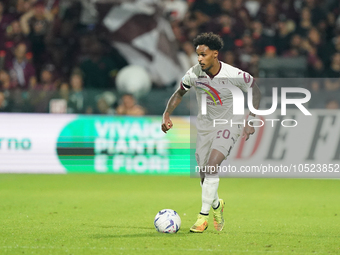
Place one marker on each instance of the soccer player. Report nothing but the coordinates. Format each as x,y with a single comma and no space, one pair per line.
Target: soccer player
214,79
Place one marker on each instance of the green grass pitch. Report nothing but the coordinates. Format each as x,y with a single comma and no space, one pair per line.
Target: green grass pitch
113,214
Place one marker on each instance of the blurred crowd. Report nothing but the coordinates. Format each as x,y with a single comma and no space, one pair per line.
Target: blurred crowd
55,57
51,61
267,28
258,30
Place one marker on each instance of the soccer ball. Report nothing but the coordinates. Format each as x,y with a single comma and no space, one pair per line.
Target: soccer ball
167,221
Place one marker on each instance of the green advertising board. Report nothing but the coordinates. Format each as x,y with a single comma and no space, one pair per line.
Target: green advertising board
124,145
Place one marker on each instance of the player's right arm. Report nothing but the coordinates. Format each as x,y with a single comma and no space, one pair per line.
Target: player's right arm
173,102
176,98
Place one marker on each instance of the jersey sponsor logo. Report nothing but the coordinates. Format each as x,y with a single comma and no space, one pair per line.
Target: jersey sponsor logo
211,92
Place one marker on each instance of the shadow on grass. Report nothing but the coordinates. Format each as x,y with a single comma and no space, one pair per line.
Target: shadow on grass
145,232
130,227
101,236
178,234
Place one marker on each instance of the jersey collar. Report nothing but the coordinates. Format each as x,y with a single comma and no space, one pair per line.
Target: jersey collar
212,76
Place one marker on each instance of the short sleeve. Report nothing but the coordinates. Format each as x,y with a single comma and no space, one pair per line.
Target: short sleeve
186,81
244,80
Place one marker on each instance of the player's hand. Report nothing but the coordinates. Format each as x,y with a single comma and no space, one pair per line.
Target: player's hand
247,131
166,124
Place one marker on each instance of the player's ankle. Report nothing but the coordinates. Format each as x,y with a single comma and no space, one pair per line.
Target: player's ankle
218,205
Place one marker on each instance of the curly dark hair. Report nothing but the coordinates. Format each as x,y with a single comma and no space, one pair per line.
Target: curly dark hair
213,41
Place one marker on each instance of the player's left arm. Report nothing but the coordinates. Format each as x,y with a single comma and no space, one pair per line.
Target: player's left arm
256,93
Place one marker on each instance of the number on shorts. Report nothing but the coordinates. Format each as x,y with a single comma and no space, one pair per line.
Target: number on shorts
225,133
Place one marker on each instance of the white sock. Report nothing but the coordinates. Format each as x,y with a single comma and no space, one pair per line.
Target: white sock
215,202
209,192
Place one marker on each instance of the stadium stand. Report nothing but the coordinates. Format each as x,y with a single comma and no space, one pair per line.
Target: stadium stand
44,43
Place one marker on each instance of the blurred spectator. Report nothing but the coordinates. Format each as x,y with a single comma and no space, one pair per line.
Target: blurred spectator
79,99
99,70
242,16
225,24
229,58
270,52
260,40
47,79
58,102
22,6
295,49
128,106
283,36
35,25
315,40
187,56
204,9
332,83
190,29
5,81
332,104
315,87
41,93
4,104
269,17
178,32
52,6
329,48
289,9
316,69
13,37
318,15
36,20
5,21
19,100
336,42
305,22
103,106
20,69
6,88
227,7
334,70
245,51
254,65
63,91
311,51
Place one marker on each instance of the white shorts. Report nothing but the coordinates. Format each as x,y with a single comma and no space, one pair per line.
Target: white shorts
221,139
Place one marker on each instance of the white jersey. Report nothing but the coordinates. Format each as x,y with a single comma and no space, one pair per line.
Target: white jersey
219,99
